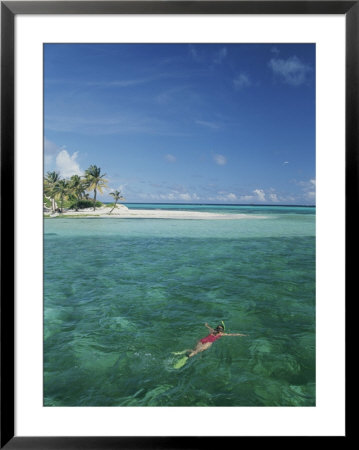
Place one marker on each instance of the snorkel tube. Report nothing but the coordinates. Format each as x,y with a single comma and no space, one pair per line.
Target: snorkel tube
224,327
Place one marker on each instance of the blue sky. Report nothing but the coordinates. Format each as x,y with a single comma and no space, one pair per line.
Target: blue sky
183,123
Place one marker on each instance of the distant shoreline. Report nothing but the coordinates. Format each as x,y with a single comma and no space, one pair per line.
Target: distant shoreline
220,204
122,212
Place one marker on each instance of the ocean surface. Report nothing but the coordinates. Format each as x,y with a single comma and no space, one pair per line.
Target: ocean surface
121,295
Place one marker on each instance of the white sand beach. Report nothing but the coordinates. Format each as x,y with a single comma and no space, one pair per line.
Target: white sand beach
122,212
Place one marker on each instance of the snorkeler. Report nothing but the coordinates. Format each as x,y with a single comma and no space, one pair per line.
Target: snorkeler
203,344
206,342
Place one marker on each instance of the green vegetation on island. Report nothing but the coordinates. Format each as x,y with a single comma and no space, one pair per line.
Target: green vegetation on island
74,193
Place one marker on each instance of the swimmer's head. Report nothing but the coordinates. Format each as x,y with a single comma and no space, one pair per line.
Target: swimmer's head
219,329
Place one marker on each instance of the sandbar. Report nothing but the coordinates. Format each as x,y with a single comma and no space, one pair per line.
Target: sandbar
122,212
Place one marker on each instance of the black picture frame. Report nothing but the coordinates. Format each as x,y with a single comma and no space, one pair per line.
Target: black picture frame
9,9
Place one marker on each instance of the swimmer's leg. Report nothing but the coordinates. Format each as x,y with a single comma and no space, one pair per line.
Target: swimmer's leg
182,352
200,348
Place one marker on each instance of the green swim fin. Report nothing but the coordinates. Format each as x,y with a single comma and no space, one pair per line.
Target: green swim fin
180,363
180,353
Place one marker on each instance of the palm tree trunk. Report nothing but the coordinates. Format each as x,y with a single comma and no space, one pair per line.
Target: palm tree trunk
94,200
114,206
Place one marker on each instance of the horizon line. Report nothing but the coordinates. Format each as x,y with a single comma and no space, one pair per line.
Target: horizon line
216,204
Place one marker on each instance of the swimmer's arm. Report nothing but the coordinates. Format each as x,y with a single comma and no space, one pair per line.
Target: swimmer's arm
211,329
234,334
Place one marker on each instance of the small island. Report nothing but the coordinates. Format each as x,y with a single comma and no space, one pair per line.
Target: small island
70,198
64,196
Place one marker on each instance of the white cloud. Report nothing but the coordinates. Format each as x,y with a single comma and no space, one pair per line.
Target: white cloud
224,197
170,158
67,165
186,197
292,70
273,198
170,196
57,158
241,81
232,197
289,199
310,195
260,195
246,198
285,163
307,184
308,188
220,159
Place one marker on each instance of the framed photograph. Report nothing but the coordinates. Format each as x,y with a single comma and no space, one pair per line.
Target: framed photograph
175,182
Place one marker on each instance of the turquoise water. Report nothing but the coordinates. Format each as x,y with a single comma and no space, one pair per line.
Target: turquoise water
120,295
242,209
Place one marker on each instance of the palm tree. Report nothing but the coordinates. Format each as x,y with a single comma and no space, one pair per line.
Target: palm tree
96,181
62,190
77,188
116,196
50,183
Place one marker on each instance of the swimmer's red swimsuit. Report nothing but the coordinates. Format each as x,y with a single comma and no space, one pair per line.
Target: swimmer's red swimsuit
210,338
